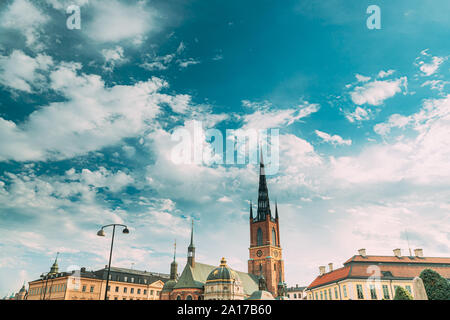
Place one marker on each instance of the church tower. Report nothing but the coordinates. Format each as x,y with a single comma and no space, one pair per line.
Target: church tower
265,249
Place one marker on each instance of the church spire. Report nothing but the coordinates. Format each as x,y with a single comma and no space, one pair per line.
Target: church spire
174,264
276,210
263,193
191,248
55,269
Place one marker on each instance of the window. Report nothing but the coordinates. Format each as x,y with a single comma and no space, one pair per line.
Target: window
115,298
117,289
274,237
409,289
359,291
335,293
157,293
259,237
108,288
178,297
151,292
325,294
138,291
125,290
189,297
132,290
84,289
329,294
321,295
92,289
386,292
145,291
125,279
124,299
373,292
295,296
132,279
317,298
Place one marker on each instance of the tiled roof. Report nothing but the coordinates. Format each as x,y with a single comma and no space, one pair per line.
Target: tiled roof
329,277
404,259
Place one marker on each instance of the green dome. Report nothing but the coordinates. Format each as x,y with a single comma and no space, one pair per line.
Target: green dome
168,286
222,273
261,295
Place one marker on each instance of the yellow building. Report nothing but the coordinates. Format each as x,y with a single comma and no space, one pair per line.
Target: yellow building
366,277
124,284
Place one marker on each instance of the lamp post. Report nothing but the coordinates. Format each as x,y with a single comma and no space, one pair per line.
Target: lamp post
101,233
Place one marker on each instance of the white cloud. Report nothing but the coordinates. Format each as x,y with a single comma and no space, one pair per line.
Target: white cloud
430,68
21,72
184,63
375,92
94,116
361,78
384,74
334,139
395,121
118,21
23,16
265,118
359,114
113,57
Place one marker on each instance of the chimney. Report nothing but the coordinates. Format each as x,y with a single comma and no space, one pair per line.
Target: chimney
83,269
398,252
362,252
418,253
321,270
330,267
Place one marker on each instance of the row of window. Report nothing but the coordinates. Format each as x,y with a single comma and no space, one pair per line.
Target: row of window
138,291
326,294
49,289
127,279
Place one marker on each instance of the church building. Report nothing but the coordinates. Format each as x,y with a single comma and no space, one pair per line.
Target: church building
265,277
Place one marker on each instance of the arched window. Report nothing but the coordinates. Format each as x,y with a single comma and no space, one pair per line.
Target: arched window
259,237
189,297
274,237
178,297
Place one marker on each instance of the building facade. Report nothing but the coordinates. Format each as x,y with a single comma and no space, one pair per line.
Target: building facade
124,284
365,277
296,293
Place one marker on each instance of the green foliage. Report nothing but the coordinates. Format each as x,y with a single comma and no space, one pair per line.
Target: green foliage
436,286
402,294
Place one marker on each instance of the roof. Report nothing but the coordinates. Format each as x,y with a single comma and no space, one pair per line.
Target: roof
292,289
196,278
139,272
402,259
357,267
329,277
261,295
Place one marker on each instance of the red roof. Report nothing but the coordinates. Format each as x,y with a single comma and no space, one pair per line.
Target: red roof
333,276
404,267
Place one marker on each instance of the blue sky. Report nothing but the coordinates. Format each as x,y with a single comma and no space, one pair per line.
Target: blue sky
86,118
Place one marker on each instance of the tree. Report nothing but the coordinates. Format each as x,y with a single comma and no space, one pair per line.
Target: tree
402,294
436,286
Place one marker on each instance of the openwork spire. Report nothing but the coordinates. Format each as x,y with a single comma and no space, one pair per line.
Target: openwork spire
263,193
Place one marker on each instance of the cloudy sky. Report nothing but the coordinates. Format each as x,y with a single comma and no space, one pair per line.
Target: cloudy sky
86,118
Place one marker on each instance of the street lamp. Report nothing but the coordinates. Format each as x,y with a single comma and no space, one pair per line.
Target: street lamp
101,233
